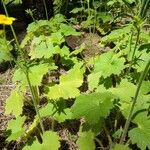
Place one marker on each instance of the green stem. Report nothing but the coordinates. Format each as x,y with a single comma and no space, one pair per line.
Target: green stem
142,77
45,7
34,101
89,14
134,50
95,19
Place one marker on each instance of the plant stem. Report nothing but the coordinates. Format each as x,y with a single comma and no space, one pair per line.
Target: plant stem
45,7
134,50
89,14
95,19
109,137
142,77
34,101
100,143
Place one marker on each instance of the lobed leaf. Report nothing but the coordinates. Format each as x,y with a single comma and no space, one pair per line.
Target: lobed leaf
14,102
94,104
69,84
16,128
50,142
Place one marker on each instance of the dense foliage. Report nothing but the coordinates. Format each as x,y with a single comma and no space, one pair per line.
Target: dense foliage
106,93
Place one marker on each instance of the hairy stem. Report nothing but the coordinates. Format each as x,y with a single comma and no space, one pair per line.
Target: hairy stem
142,77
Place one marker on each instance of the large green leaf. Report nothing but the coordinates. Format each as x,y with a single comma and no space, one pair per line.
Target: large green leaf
14,102
45,46
95,104
36,73
125,92
118,34
50,142
105,65
86,141
67,30
16,128
68,85
141,134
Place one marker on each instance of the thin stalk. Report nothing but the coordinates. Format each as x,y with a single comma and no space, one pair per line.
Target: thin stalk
89,14
100,143
134,50
142,77
34,101
95,19
45,7
109,137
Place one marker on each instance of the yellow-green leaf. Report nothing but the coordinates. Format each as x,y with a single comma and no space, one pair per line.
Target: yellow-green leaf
14,103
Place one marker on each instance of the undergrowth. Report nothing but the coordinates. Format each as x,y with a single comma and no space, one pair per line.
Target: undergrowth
108,93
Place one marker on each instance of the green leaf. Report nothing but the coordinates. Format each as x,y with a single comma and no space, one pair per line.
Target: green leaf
67,30
36,73
78,50
14,102
117,35
49,109
124,91
105,16
35,26
50,142
142,60
121,147
145,87
115,64
77,10
93,80
95,104
57,38
141,134
69,84
5,49
16,128
86,141
42,47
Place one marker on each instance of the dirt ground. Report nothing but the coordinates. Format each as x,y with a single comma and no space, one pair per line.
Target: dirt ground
5,89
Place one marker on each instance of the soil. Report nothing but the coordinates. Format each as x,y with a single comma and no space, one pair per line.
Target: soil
5,89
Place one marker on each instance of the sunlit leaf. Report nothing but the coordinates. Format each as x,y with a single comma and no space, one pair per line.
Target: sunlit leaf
141,134
105,65
86,141
14,102
36,73
95,104
50,142
16,128
69,84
